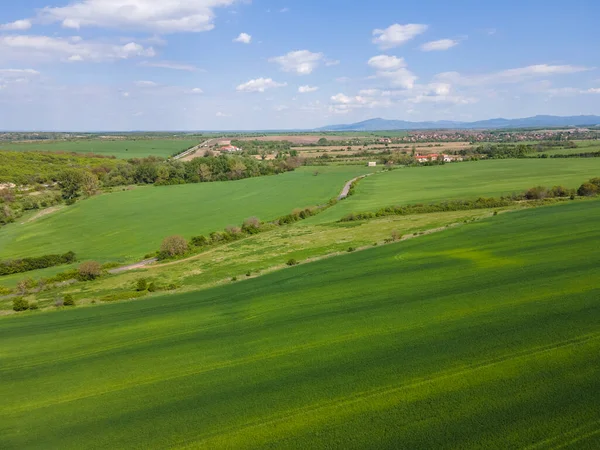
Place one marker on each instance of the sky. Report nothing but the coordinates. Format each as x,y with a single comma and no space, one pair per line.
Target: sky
121,65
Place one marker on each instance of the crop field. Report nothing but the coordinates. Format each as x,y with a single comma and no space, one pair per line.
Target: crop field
120,148
124,226
461,181
483,336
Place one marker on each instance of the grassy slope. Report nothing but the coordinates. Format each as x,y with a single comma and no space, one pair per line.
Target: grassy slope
461,181
121,149
483,336
126,225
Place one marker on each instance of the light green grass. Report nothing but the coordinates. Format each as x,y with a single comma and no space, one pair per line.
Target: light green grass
127,225
120,148
466,180
485,336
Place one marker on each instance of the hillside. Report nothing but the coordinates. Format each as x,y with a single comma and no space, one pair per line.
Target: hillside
482,336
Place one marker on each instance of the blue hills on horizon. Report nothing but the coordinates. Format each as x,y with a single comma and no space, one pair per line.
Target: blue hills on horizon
379,124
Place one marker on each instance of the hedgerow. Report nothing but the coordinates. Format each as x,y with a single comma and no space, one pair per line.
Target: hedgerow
27,264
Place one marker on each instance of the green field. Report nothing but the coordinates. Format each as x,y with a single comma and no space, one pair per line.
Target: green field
466,180
484,336
120,148
126,225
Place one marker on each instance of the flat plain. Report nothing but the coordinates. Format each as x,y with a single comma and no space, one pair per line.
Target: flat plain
453,340
120,148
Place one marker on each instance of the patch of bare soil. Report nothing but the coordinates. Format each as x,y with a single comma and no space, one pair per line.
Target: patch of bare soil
45,212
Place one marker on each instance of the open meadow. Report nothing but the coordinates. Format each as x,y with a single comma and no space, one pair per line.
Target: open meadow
466,180
483,336
125,225
121,148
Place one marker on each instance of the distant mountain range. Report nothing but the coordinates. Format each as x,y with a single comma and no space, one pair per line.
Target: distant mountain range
527,122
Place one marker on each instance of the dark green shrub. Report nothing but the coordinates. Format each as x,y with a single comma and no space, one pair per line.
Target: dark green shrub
292,262
68,300
27,264
33,306
248,274
234,279
142,285
152,287
588,190
20,304
199,241
351,249
173,246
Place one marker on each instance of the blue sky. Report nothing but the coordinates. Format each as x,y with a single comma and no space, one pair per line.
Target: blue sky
274,64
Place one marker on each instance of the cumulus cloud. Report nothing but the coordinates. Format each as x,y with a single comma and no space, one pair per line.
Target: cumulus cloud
307,89
173,16
259,85
396,35
394,70
442,44
303,62
19,25
511,75
243,38
46,48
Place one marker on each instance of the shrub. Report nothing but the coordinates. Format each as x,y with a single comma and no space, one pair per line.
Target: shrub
536,193
27,264
251,225
4,291
152,287
199,241
33,306
59,302
351,249
248,274
174,246
292,262
20,304
25,285
587,190
396,236
68,300
234,279
89,270
142,285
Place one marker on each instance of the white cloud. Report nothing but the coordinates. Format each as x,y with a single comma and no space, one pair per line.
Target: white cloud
280,108
342,103
303,62
19,25
284,10
442,44
40,48
172,16
511,75
385,62
146,84
170,65
196,91
396,35
243,38
593,91
10,73
307,89
332,62
222,114
394,70
259,85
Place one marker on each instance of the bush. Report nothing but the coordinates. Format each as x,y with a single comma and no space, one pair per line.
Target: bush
536,193
173,246
251,225
4,291
588,190
248,274
351,249
292,262
68,300
59,302
152,287
33,307
20,304
396,236
199,241
142,285
27,264
234,279
89,270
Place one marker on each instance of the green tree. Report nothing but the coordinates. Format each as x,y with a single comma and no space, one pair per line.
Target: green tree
89,270
70,182
20,304
173,246
142,285
68,300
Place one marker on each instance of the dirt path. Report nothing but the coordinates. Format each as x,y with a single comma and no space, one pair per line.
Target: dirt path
348,185
137,265
44,212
